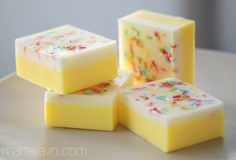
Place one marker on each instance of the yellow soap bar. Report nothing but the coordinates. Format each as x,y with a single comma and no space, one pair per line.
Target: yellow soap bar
171,114
91,108
66,59
156,46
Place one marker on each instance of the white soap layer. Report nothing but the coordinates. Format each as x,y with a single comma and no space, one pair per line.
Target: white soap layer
144,100
104,94
151,50
65,47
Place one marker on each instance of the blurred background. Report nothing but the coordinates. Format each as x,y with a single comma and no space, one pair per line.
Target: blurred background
215,20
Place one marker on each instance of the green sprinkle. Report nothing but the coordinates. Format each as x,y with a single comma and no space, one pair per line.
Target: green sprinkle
162,98
145,72
136,31
148,37
174,60
167,48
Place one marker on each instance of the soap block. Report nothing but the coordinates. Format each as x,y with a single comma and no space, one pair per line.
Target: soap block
92,108
66,59
171,114
156,46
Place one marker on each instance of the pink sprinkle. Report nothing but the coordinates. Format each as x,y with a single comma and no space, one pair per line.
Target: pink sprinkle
156,110
165,53
138,88
152,84
38,43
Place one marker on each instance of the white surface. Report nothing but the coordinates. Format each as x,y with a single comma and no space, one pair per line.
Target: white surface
173,114
49,48
89,97
22,122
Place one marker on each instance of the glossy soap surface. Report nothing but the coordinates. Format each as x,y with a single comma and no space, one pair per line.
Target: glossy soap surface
90,108
157,46
67,55
168,113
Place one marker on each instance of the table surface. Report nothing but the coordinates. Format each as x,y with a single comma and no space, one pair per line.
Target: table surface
23,134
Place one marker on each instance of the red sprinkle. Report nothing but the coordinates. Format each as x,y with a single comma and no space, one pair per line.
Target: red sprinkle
165,53
155,110
157,35
104,84
144,97
149,80
173,46
177,96
82,47
71,48
140,59
155,65
167,85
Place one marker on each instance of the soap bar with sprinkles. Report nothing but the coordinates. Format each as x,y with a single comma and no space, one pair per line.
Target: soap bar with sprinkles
66,59
92,108
171,114
157,46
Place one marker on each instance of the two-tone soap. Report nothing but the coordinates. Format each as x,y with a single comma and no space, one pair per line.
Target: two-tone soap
66,59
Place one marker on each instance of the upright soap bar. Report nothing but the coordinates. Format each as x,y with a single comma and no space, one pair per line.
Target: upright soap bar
91,108
171,114
66,59
157,46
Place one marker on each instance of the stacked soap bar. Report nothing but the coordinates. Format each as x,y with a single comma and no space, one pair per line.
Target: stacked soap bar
171,114
79,69
91,108
157,46
66,59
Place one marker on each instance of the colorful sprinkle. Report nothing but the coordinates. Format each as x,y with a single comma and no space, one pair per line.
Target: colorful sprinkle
60,41
157,35
136,31
169,96
155,110
141,56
